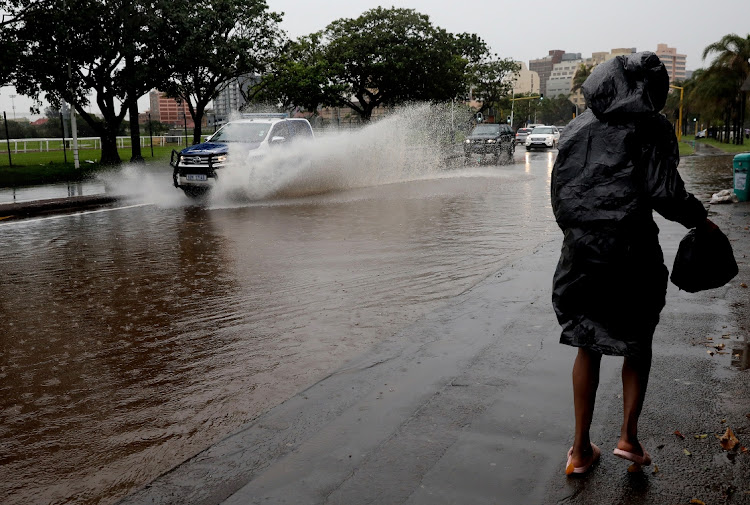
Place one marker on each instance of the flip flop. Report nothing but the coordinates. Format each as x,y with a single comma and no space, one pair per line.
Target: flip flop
578,470
644,460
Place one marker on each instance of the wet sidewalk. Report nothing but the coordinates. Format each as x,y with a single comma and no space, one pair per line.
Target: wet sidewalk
473,404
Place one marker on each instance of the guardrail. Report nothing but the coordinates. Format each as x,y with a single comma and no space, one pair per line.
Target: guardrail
56,144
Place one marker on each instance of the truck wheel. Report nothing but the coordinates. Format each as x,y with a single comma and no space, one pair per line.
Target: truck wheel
194,193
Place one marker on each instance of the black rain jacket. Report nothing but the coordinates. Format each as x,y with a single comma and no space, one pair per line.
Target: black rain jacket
617,162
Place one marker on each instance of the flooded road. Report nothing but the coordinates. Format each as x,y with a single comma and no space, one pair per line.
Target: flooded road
132,339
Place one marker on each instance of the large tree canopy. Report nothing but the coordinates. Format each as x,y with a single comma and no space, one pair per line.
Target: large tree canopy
74,49
218,41
383,57
491,80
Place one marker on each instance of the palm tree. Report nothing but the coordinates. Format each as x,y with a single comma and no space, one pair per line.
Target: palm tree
732,64
733,53
582,73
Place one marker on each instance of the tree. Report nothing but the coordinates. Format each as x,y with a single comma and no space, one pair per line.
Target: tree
82,47
731,64
555,110
298,78
391,56
492,80
582,73
217,42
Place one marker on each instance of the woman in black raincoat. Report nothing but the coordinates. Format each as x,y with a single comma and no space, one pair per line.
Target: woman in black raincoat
617,163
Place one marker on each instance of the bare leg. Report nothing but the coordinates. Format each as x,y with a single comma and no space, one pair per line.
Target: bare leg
585,383
635,372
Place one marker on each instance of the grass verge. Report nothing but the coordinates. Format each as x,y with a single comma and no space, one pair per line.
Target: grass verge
685,148
727,148
47,167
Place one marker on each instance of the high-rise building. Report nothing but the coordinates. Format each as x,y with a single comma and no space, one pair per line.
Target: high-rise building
543,67
561,78
674,62
230,100
526,81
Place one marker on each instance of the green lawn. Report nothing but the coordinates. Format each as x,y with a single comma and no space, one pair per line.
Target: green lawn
686,149
46,167
727,148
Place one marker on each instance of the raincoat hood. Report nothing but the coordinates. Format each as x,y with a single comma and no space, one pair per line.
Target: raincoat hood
626,87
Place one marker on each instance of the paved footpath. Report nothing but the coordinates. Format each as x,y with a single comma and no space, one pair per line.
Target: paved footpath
472,405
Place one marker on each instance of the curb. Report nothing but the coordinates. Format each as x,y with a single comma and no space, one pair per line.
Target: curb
10,211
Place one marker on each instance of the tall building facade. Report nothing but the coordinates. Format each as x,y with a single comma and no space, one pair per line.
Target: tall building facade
231,100
543,67
527,81
674,62
168,110
561,77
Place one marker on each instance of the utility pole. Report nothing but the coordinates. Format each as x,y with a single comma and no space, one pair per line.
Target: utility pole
73,126
679,123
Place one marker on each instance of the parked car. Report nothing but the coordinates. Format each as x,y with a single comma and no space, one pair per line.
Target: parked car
701,134
198,167
495,139
543,136
521,135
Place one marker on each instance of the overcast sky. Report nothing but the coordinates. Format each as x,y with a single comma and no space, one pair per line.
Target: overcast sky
528,29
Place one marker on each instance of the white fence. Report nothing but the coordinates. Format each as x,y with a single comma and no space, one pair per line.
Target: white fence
56,144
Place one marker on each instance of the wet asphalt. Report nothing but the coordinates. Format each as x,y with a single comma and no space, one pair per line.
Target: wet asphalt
441,413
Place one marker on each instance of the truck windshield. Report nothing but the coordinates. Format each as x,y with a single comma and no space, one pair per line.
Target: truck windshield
241,132
486,129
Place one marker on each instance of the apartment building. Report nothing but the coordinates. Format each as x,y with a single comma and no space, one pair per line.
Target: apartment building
674,62
527,81
561,77
230,100
543,67
168,110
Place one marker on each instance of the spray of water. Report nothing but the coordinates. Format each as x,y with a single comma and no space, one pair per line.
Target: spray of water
413,142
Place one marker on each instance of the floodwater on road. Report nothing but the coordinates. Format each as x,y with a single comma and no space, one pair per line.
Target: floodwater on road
132,339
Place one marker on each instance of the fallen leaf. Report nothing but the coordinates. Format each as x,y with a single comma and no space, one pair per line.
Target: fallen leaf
728,441
677,432
726,336
743,449
709,338
635,467
720,347
722,352
687,453
710,352
700,437
723,421
696,501
656,469
743,285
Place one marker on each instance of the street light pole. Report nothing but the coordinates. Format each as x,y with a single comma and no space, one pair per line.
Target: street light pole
679,123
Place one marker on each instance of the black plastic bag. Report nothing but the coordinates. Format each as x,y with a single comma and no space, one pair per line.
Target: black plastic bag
704,260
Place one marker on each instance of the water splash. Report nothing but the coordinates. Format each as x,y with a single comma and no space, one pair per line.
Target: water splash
414,142
419,141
